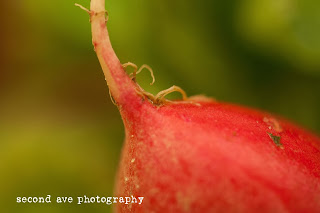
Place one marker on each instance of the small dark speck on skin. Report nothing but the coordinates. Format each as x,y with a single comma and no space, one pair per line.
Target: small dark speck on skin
276,140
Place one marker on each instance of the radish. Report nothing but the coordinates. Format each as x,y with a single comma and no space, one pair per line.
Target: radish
201,155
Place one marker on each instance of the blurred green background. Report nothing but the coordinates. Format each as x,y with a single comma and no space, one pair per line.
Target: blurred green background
60,133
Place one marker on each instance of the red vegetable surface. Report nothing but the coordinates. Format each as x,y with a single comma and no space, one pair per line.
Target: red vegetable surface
202,155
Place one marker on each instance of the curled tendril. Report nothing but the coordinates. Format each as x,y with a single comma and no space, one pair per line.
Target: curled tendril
144,66
135,68
143,93
133,75
159,98
135,72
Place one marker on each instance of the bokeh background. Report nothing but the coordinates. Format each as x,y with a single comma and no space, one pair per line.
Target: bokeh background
60,133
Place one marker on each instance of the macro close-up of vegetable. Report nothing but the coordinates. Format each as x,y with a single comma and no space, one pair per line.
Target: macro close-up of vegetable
202,155
119,106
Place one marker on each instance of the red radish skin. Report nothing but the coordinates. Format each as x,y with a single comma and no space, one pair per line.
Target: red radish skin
202,155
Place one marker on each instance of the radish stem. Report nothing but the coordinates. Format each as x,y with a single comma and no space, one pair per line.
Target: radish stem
118,81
